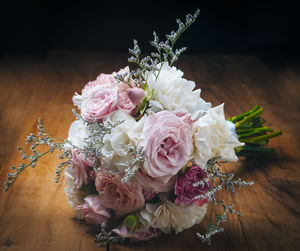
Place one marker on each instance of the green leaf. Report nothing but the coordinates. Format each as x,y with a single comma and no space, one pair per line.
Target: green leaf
148,95
132,222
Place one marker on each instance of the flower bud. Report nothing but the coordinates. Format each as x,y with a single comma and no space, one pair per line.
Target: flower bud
136,95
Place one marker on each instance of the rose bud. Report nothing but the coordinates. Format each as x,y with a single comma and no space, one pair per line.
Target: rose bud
136,95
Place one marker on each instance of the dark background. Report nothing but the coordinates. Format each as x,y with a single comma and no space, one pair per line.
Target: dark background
259,27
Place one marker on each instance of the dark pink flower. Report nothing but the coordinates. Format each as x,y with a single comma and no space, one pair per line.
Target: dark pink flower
186,191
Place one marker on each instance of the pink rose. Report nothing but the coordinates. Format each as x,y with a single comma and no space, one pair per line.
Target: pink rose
101,97
101,103
82,168
123,198
184,189
92,210
152,186
141,234
103,81
136,95
124,101
167,142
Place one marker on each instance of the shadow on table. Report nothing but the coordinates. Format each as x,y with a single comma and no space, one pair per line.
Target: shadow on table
186,240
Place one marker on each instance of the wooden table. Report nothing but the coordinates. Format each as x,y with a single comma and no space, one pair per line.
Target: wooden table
34,214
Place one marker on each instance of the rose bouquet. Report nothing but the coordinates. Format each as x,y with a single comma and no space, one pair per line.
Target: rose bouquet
144,155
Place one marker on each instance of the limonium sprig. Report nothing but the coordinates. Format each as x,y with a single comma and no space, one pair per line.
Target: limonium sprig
106,237
137,160
95,141
165,51
43,138
217,180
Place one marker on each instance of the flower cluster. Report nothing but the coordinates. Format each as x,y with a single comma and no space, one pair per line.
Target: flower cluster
143,156
170,144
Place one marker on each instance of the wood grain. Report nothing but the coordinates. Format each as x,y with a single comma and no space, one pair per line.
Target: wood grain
35,214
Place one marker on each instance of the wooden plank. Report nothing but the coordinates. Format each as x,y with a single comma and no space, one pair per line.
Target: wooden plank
35,214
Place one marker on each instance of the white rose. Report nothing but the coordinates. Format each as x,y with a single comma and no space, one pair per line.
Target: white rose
173,92
213,138
115,153
168,216
78,132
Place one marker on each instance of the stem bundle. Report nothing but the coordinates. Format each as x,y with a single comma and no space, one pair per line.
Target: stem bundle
250,130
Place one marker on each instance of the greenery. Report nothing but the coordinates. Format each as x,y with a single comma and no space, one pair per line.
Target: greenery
250,130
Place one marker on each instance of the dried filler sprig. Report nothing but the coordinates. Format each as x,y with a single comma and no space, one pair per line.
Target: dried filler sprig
218,180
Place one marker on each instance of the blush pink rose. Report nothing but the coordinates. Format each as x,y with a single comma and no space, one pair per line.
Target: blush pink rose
82,167
186,191
168,145
141,234
103,81
101,97
123,198
100,104
92,211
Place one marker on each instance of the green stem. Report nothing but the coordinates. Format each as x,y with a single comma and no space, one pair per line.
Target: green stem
156,77
254,131
260,122
263,137
255,152
245,130
250,117
240,116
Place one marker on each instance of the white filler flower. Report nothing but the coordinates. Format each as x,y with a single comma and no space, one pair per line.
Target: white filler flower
172,92
168,216
78,132
213,138
115,150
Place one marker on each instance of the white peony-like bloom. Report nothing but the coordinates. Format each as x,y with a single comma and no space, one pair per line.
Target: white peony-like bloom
115,153
213,138
168,216
71,191
78,132
172,92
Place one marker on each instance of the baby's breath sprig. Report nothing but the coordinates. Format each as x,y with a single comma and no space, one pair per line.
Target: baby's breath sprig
95,141
217,180
107,237
66,154
214,227
165,51
145,64
138,158
43,138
